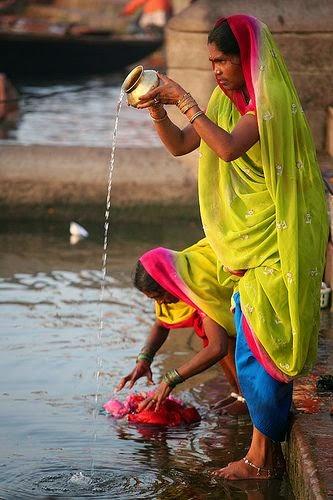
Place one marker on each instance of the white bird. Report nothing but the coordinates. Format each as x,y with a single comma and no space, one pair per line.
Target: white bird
76,230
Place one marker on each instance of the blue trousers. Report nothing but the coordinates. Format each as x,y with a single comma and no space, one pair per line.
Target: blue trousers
268,400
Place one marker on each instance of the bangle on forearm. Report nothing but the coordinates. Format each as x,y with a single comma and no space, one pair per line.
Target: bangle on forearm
145,356
188,106
183,98
196,115
156,120
186,102
172,378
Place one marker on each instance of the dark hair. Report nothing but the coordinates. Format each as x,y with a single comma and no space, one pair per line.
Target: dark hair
224,39
144,282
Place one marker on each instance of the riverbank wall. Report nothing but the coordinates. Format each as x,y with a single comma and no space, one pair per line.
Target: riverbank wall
48,181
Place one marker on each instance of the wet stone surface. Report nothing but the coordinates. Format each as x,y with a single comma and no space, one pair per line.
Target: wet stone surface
311,440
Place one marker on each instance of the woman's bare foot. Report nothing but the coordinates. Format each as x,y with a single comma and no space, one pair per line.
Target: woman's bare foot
243,469
235,408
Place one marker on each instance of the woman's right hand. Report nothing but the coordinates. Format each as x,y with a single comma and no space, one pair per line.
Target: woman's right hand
168,92
141,369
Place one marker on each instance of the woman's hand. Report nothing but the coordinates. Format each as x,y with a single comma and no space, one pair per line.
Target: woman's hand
141,369
161,393
168,92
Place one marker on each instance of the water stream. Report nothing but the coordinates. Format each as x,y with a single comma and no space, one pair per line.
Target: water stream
104,274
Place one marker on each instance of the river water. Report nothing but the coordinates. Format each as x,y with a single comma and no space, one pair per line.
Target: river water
49,294
77,112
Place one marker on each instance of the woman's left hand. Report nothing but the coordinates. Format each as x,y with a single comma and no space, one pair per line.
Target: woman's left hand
161,393
168,92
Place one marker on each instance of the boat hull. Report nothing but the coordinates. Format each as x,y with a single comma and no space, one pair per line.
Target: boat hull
56,56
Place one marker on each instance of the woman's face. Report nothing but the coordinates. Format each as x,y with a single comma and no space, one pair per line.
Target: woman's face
162,297
227,68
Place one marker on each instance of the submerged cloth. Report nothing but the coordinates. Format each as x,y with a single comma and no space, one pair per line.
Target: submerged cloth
265,211
190,275
172,412
268,400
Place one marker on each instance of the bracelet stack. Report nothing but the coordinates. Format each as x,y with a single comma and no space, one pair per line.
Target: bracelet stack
172,378
186,102
145,356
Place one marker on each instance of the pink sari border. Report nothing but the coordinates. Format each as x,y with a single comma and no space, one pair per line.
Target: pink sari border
160,264
247,31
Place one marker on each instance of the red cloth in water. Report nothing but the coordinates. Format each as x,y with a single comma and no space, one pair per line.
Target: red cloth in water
171,413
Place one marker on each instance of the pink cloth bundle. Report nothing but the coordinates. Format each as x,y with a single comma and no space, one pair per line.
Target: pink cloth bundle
172,411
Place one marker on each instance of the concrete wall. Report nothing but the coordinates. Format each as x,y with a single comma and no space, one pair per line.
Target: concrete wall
44,175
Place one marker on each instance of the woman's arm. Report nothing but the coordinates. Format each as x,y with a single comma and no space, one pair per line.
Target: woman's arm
177,141
216,349
156,339
227,146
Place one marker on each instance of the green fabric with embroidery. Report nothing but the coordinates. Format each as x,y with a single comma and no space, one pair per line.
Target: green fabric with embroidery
266,212
196,268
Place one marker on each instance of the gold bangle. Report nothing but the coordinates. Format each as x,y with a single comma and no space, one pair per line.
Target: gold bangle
145,356
156,120
172,378
184,101
189,106
186,95
187,101
196,115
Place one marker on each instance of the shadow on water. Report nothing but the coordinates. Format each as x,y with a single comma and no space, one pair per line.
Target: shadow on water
49,293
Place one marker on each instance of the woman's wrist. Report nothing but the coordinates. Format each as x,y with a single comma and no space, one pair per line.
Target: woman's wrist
145,355
186,102
157,113
172,378
194,113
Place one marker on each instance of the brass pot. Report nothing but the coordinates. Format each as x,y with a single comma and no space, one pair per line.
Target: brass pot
138,82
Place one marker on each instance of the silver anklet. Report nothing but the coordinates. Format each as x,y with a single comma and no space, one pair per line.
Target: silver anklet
269,472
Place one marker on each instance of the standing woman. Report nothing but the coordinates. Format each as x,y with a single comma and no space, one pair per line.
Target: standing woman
263,212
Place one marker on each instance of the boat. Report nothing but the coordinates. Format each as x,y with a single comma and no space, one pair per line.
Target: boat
36,47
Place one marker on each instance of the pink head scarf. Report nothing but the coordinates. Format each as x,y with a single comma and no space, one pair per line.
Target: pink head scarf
246,30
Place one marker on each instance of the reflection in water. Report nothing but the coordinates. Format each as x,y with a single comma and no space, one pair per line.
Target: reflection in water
49,293
78,113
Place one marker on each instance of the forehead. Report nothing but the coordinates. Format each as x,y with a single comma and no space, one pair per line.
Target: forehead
215,54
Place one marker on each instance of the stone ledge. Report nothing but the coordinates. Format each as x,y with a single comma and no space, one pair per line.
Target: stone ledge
32,175
309,463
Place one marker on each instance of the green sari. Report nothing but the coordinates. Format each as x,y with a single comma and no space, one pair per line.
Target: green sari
265,212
